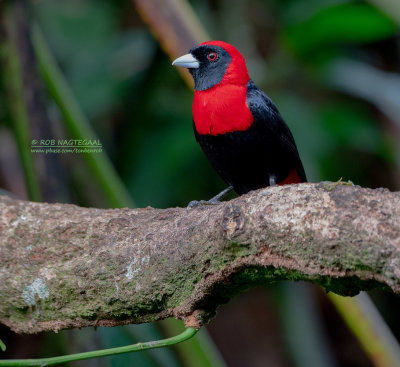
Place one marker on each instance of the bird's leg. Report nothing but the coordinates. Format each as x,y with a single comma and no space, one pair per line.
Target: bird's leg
214,200
217,198
272,180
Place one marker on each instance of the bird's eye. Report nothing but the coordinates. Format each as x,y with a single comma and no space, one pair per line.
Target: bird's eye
212,56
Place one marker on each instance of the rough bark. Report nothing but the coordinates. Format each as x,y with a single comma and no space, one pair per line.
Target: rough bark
66,266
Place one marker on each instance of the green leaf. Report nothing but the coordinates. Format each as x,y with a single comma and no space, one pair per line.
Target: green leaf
352,22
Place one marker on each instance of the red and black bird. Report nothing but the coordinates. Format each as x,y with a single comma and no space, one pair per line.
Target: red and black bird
238,127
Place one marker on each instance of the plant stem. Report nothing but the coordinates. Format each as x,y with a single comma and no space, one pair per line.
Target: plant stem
77,122
199,351
362,318
2,346
13,82
185,335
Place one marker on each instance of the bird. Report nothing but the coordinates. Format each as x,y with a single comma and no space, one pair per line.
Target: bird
237,125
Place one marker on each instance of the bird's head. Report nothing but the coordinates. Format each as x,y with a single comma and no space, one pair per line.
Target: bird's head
214,63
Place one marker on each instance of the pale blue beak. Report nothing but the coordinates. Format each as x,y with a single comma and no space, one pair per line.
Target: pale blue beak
187,61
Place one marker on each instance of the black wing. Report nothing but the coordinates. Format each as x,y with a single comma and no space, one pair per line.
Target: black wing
270,124
265,153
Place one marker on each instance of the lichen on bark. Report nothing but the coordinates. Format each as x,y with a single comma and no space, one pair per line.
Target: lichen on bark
65,266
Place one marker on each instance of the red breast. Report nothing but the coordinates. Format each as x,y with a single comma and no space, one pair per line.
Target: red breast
221,109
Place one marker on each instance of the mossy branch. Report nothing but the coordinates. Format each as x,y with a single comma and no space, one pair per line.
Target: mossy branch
65,266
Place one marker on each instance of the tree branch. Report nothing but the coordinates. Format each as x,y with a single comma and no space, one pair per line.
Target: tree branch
65,266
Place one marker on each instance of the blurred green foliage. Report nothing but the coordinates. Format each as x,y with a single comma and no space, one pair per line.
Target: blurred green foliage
141,109
341,23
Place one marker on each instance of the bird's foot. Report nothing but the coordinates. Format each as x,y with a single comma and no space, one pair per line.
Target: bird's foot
330,186
195,203
213,201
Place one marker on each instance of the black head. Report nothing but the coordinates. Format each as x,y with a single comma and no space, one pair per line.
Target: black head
213,63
